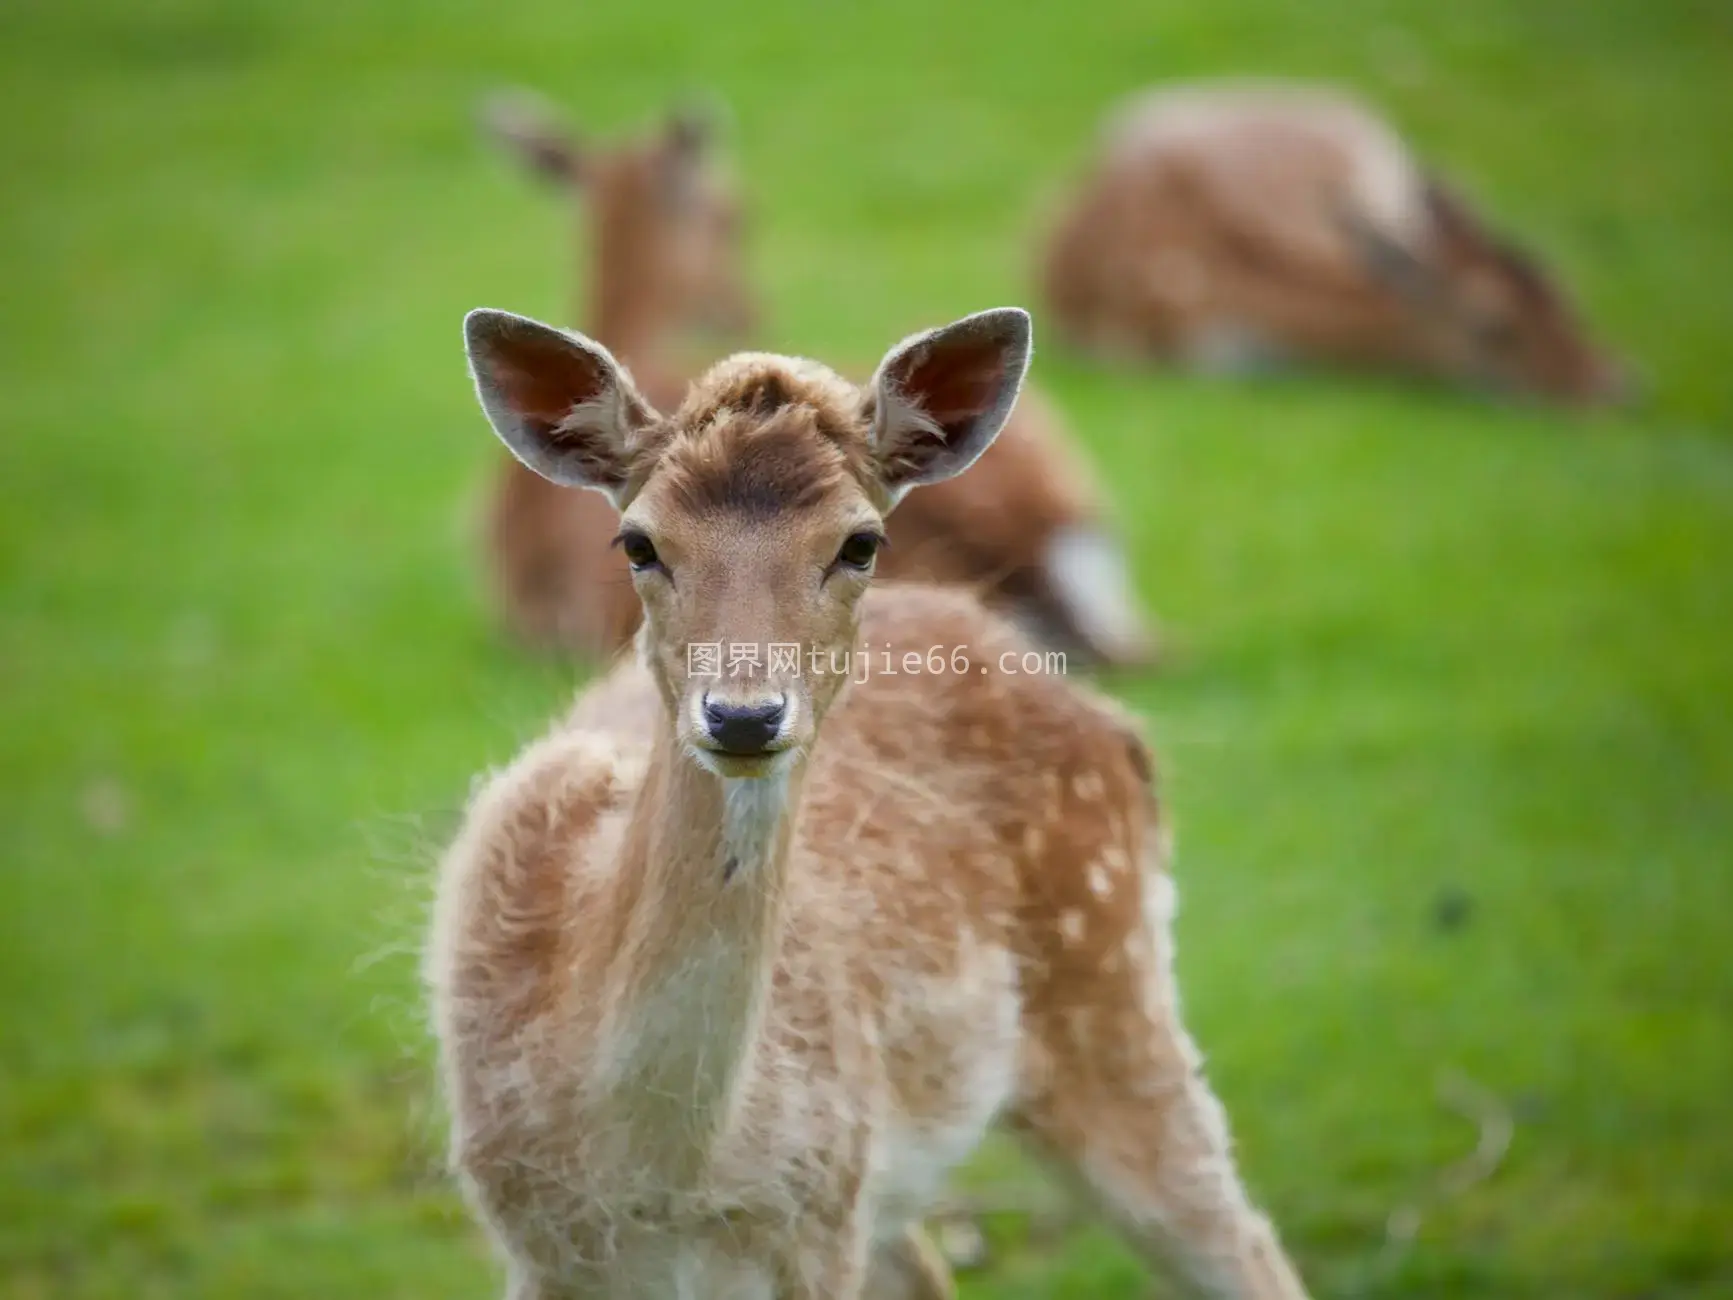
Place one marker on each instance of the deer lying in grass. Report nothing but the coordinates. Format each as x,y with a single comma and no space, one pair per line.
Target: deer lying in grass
1028,529
1235,227
729,970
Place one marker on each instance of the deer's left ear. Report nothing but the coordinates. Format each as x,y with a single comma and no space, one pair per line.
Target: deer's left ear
694,125
940,398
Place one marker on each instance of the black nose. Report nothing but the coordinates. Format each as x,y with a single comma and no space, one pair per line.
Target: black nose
743,728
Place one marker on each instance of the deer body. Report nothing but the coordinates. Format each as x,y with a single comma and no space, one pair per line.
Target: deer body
721,997
755,1042
1028,528
1239,227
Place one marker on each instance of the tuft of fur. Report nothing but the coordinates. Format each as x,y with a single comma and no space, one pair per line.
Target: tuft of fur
760,434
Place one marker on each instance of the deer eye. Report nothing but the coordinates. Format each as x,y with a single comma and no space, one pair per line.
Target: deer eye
858,551
640,554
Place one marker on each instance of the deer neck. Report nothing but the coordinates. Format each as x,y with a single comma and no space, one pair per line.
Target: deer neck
626,311
702,876
625,319
635,328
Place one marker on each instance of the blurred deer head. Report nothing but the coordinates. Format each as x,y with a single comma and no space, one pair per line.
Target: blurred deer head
1492,313
666,250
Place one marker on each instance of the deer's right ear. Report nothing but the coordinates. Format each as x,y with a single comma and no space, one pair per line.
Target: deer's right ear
559,401
526,126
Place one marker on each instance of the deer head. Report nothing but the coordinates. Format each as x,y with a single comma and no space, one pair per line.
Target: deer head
751,516
1492,315
667,221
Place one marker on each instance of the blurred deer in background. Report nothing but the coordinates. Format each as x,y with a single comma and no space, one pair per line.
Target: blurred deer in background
731,968
665,259
665,254
1234,227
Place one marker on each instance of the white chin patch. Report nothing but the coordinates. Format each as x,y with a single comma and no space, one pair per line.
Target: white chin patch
752,809
1090,582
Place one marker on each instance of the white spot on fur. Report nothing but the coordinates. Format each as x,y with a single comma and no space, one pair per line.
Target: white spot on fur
1160,904
1034,840
1134,950
1088,786
1087,572
1071,923
1099,884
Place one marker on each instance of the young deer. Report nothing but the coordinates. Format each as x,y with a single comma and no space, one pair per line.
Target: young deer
1028,530
1232,227
728,970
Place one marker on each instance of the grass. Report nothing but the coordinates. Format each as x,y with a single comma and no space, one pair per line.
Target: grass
1450,746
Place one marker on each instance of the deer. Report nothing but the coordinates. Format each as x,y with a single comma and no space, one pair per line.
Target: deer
729,968
1234,228
665,248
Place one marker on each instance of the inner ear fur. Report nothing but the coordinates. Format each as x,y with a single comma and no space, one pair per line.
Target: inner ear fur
940,398
558,400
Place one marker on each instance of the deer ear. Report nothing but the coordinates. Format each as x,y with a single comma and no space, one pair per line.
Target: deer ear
940,398
690,132
559,401
695,124
1389,262
688,140
529,128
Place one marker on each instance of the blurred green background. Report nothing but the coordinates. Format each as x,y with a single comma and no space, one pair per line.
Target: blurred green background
1449,745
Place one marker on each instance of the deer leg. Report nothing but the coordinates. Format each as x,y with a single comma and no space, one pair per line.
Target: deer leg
1155,1156
524,1284
827,1261
1119,1100
908,1267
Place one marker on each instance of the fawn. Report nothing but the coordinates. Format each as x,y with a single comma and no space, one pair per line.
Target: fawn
666,246
730,968
1234,227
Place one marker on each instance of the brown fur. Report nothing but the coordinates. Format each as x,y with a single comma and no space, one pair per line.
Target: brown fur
1237,226
677,1065
657,270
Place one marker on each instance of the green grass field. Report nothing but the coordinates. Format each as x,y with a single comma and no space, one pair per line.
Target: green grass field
1440,663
